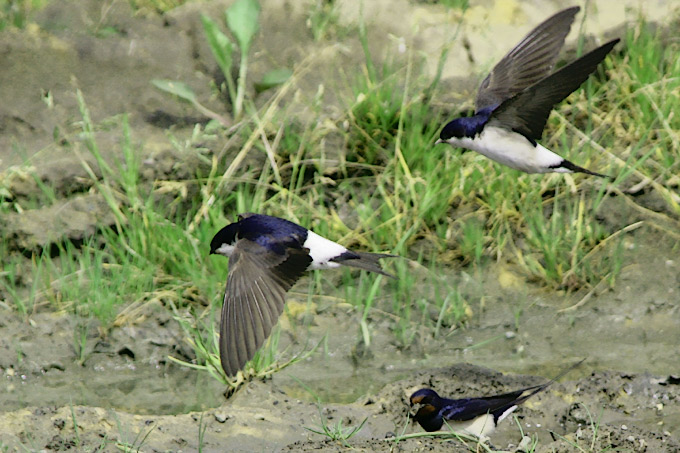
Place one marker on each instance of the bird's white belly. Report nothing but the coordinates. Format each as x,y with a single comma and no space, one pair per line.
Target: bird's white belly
511,149
481,426
322,250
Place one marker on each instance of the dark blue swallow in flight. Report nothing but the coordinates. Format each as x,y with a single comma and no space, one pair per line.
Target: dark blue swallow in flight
267,255
514,101
476,416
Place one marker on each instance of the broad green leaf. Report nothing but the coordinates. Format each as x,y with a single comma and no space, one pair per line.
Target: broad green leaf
242,20
221,46
179,89
272,79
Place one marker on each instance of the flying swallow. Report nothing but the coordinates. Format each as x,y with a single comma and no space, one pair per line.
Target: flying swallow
514,101
267,255
476,416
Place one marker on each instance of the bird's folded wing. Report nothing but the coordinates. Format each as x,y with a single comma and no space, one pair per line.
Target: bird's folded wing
254,298
469,408
530,61
528,111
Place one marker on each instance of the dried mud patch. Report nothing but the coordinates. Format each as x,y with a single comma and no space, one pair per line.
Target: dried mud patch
262,417
56,359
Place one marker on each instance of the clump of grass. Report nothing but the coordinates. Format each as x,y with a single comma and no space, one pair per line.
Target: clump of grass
136,439
322,18
15,13
373,118
337,432
202,335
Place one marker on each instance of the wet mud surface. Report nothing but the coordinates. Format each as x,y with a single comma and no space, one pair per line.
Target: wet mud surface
121,388
625,395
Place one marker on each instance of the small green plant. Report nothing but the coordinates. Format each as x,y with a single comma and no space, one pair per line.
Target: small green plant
204,340
15,13
473,241
76,428
527,444
336,432
594,426
80,343
201,433
242,19
322,17
124,432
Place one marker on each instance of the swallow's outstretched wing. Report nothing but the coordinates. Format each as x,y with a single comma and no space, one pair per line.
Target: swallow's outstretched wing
528,111
528,62
254,298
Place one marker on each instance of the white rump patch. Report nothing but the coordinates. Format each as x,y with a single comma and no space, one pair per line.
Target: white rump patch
511,149
322,251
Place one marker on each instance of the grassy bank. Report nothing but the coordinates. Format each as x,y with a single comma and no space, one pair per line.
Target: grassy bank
372,179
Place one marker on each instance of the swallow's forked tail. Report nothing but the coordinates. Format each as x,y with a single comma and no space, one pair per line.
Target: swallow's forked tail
369,262
572,167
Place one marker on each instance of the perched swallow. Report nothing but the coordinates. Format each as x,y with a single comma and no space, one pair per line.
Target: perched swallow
267,255
514,101
476,416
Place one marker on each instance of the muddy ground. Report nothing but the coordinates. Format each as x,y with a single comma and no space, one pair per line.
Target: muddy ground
123,389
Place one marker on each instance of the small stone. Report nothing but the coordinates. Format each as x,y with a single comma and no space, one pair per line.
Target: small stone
525,444
221,417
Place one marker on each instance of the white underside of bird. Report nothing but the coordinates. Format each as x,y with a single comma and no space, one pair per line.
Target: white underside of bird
512,149
481,426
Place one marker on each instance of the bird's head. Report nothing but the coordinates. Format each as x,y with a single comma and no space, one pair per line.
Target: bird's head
465,127
225,239
424,396
428,415
457,128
